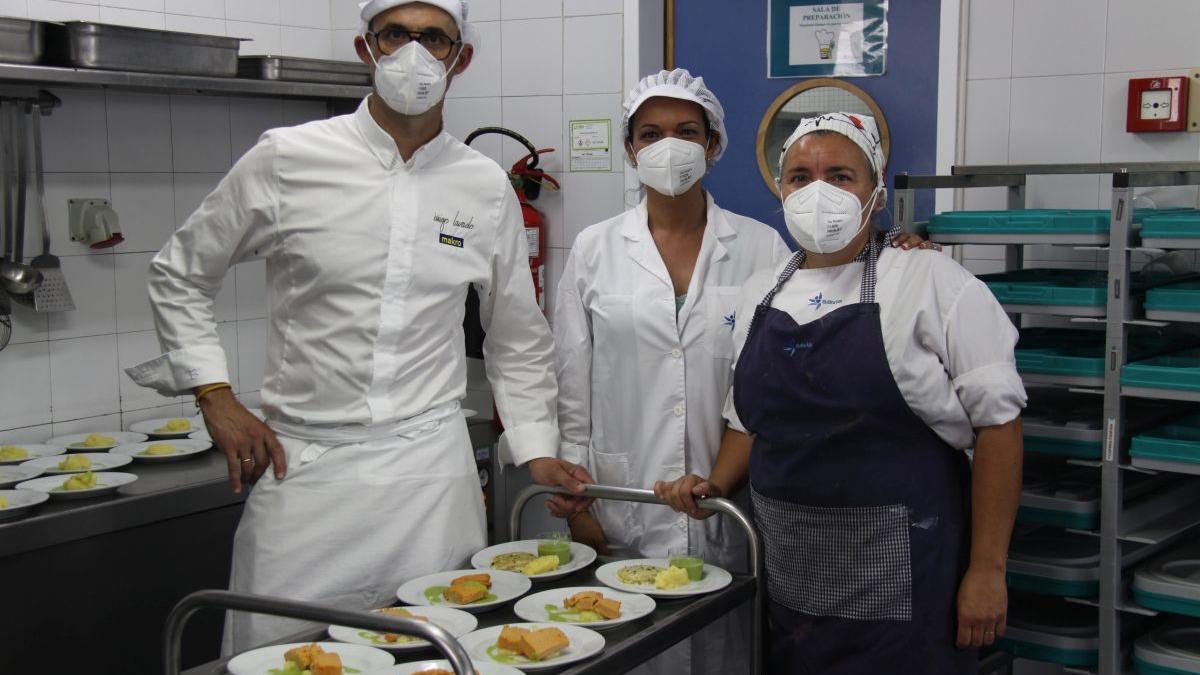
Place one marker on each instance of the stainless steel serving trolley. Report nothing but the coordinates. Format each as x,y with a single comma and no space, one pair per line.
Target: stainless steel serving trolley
626,646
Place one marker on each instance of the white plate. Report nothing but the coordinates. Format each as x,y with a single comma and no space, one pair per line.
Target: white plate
456,621
35,450
20,502
533,607
155,428
506,586
185,448
11,475
714,579
483,668
582,555
201,435
71,441
106,482
367,660
101,461
584,644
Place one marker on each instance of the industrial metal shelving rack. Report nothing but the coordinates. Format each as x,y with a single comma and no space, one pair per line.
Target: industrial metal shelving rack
1117,530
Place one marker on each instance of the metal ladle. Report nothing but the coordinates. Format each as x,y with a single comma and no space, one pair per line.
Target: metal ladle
16,278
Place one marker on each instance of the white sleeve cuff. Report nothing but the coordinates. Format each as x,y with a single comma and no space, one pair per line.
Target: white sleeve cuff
731,416
522,443
177,373
573,452
991,395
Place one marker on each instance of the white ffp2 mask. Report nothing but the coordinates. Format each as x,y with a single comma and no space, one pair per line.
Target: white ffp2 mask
823,218
671,166
410,80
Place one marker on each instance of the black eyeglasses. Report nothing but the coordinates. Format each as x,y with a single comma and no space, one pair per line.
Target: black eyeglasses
392,38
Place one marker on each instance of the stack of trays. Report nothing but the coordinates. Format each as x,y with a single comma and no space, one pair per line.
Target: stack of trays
1058,494
1174,302
1173,447
1066,424
1171,582
1051,629
1075,357
1162,375
1171,649
1034,226
1180,229
1073,292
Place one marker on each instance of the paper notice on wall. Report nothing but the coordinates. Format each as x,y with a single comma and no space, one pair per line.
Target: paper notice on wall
591,145
822,38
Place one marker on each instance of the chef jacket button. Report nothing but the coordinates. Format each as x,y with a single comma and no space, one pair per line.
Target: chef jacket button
676,352
679,410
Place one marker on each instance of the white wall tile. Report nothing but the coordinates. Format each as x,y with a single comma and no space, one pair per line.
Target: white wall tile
593,107
52,10
309,13
592,54
989,49
29,403
83,377
251,289
342,48
987,121
132,349
261,38
75,136
483,77
1118,145
585,7
1040,104
1062,192
537,70
529,9
260,11
249,118
61,187
139,131
484,10
133,295
252,348
92,280
228,334
209,8
200,133
464,115
190,191
145,5
344,15
14,8
1152,36
131,417
224,306
28,326
200,25
538,118
146,204
1065,37
87,425
590,199
307,43
133,17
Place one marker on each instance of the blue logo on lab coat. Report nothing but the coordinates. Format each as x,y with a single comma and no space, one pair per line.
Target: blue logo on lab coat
818,300
795,345
731,320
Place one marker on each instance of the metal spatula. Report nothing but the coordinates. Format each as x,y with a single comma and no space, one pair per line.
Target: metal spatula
53,295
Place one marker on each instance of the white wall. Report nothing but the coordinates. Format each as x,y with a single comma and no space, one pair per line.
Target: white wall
1046,83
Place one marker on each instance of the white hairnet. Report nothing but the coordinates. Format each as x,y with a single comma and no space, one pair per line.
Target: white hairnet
860,129
680,84
369,9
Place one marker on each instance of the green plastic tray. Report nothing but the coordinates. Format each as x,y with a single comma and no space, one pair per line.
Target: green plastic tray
1183,296
1167,603
1178,442
1183,224
1057,587
1049,287
1021,221
1180,370
1144,668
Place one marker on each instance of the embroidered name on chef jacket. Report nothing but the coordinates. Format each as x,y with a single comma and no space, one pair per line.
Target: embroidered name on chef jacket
452,230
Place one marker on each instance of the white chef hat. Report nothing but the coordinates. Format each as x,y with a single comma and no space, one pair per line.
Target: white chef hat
369,9
860,129
680,84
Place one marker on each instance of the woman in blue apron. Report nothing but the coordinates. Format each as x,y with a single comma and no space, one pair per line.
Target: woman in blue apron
862,376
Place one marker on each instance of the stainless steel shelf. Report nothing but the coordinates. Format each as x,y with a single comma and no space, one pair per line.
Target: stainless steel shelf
1172,394
83,77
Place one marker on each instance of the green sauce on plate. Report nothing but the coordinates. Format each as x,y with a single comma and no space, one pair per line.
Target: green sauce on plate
434,595
561,615
506,657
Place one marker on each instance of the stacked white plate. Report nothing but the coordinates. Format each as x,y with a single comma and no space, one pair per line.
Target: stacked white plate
33,451
20,502
184,448
99,461
107,482
74,442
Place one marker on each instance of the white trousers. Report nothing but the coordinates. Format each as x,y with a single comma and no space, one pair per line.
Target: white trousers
353,521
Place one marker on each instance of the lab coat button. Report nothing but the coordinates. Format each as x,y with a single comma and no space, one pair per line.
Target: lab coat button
679,410
676,352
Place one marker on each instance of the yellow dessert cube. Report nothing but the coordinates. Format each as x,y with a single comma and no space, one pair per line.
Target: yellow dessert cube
177,424
99,441
75,463
672,577
11,452
80,481
546,563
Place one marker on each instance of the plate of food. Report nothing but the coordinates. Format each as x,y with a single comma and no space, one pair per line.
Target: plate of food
79,485
596,607
163,450
201,435
16,503
317,658
677,577
97,441
168,427
11,475
468,590
533,646
78,462
457,622
18,453
538,559
443,668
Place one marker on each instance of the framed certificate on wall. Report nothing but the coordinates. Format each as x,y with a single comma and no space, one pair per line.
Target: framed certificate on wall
807,38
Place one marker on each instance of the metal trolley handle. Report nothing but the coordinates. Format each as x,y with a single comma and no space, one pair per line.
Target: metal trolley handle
261,604
721,505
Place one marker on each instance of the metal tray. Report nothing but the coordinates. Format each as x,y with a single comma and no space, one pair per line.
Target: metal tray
292,69
21,40
95,45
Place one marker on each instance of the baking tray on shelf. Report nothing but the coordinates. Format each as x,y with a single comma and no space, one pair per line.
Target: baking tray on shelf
1170,649
1062,495
1051,561
1178,301
1171,447
1179,229
1075,356
1067,424
1171,582
294,69
85,44
21,40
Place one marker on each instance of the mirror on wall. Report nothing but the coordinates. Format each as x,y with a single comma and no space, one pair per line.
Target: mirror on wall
808,99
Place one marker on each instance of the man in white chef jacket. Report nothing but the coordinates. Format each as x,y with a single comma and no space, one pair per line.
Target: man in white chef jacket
373,225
